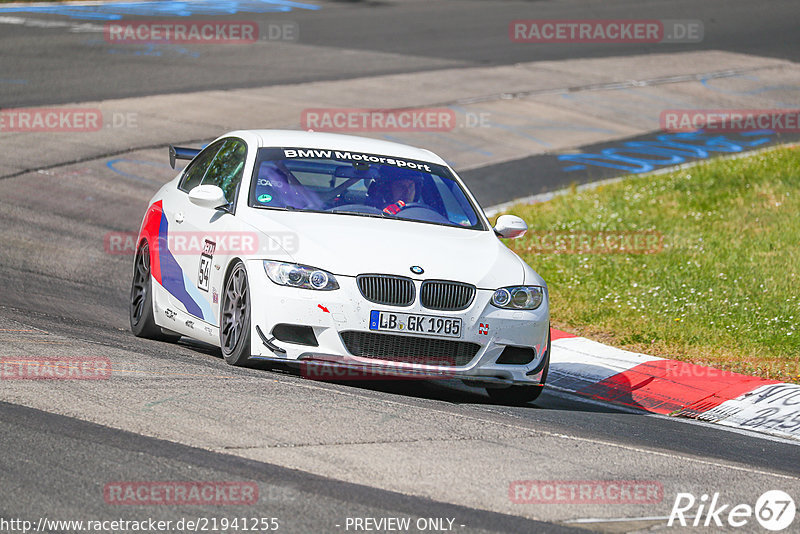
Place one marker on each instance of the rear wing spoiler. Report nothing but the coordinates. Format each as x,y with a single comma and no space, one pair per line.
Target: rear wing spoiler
178,152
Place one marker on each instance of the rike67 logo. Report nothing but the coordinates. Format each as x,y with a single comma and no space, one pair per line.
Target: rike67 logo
774,510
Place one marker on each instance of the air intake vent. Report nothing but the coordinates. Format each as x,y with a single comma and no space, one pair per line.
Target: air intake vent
410,349
443,295
516,356
387,290
295,333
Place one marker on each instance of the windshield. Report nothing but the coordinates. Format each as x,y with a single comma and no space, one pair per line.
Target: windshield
351,183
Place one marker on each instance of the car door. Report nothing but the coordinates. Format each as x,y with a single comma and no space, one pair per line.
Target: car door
215,234
178,243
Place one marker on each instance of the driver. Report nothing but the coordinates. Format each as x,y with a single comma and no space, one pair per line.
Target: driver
404,189
401,190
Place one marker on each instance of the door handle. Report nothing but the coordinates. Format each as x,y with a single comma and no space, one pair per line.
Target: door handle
179,217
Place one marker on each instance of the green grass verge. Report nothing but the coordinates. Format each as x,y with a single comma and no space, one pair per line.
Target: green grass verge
723,291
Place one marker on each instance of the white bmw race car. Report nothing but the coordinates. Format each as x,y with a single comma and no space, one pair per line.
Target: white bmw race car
311,248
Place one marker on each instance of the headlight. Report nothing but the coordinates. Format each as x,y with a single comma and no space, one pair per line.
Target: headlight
518,297
303,276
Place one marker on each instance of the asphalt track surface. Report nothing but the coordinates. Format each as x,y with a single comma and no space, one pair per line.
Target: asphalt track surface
350,39
320,452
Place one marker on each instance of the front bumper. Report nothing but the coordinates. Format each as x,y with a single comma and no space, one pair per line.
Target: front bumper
331,313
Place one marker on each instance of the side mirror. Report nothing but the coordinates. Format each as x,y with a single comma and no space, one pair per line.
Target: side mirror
208,196
510,226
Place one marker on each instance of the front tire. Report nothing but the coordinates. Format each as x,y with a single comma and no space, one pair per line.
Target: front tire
140,311
234,332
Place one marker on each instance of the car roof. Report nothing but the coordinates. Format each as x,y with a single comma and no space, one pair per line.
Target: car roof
331,141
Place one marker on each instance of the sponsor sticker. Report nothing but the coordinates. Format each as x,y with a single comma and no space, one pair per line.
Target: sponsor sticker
206,259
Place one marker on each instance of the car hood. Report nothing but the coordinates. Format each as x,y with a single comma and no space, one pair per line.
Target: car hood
351,245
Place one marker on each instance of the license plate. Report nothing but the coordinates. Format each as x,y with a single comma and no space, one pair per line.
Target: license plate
413,323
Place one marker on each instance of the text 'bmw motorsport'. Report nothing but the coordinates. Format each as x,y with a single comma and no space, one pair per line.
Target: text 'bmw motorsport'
355,157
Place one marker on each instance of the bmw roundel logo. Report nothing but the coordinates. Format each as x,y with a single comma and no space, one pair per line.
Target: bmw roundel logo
416,269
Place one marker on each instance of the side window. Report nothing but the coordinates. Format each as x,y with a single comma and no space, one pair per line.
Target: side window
193,175
227,167
455,203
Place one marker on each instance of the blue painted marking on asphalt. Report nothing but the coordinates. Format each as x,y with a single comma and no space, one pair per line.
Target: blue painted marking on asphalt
163,8
665,150
611,161
573,168
759,132
111,164
759,142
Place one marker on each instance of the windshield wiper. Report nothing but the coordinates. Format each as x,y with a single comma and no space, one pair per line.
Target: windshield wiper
380,215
